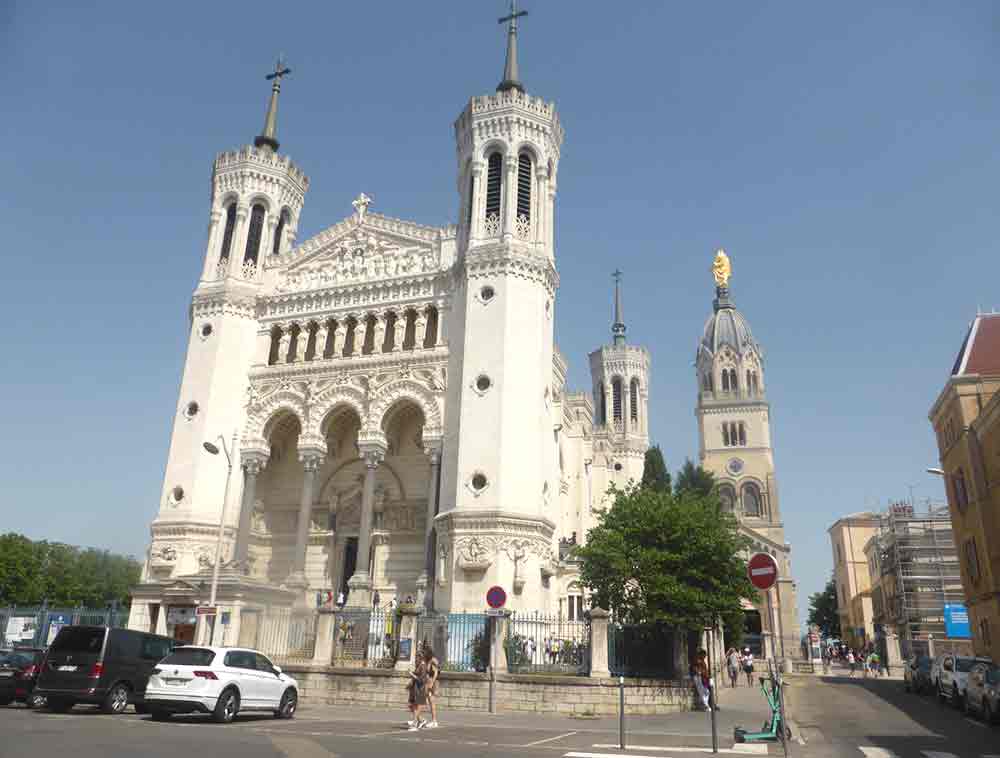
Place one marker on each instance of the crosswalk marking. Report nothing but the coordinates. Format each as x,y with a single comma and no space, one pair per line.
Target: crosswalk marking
743,748
876,752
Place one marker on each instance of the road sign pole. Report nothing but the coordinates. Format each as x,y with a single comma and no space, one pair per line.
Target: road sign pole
493,664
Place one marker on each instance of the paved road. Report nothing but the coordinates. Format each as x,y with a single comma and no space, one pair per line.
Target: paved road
859,718
321,732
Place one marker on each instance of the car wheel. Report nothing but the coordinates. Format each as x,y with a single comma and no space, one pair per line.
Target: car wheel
159,715
116,701
59,706
35,701
227,706
289,702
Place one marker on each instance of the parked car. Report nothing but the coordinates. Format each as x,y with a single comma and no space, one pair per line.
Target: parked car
954,676
100,666
917,674
936,672
221,681
982,692
18,671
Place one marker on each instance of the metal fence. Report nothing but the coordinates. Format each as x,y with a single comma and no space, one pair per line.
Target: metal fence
538,643
285,635
461,641
365,638
37,626
641,650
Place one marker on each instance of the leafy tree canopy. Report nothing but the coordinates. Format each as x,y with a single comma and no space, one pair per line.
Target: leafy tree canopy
823,610
31,572
654,471
695,479
662,556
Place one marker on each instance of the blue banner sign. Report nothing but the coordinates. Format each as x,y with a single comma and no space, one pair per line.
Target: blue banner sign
956,621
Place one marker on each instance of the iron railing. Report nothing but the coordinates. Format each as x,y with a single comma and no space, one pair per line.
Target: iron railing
37,626
365,638
538,643
460,641
285,635
641,650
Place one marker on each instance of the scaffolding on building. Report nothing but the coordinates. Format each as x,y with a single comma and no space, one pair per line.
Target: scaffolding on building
917,573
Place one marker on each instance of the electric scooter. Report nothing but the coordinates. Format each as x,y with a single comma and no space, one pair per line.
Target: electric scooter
772,729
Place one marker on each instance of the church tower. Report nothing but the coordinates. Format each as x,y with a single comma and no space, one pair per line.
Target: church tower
500,453
734,427
620,376
257,196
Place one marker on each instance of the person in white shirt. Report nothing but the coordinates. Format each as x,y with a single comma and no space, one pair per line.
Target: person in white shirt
748,665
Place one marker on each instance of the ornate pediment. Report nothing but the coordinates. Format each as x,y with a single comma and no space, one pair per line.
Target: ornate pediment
353,252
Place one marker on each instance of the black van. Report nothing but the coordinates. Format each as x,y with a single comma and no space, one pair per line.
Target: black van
101,666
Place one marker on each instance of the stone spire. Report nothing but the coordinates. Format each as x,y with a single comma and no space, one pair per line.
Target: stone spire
618,327
511,74
269,137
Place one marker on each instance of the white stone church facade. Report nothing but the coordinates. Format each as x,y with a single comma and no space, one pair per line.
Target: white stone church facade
391,393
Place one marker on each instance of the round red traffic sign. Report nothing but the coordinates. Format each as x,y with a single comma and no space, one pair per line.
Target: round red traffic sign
762,570
496,597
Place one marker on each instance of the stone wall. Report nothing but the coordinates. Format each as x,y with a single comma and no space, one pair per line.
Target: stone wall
470,692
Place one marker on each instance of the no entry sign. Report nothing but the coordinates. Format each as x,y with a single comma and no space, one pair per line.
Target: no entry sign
762,570
496,597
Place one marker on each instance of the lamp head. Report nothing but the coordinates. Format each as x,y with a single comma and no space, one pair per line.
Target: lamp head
210,448
936,471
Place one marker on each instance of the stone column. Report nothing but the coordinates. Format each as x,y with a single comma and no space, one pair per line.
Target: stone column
442,334
267,239
476,201
540,221
399,331
419,330
424,580
325,627
311,461
407,651
599,643
239,245
252,465
320,349
211,246
509,195
360,584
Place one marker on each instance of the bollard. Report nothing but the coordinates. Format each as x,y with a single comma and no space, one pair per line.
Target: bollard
621,712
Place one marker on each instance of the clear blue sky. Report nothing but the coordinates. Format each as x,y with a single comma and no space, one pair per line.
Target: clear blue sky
846,157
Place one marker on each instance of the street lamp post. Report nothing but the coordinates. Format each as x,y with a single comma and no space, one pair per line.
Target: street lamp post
214,450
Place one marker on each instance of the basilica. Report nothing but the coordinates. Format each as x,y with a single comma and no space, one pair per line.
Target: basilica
380,412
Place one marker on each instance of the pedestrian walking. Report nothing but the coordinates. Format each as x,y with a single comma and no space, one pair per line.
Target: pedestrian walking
748,665
340,599
417,694
433,669
733,665
851,662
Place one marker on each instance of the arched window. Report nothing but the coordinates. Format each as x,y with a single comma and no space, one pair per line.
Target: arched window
494,191
616,399
725,434
633,399
602,404
227,236
743,435
733,386
524,186
410,330
725,380
751,499
279,232
350,328
727,497
253,233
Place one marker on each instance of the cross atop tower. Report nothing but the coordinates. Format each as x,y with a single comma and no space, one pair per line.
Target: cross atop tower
511,75
269,137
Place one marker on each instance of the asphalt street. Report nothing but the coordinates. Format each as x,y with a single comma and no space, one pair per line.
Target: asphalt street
324,731
866,718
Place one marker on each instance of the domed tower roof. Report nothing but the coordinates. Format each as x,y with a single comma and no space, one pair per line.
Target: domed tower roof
726,326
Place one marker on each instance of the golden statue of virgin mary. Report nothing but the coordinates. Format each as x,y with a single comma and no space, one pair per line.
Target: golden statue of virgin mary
721,269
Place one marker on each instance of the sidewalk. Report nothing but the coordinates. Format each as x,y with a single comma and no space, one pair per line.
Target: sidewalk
743,706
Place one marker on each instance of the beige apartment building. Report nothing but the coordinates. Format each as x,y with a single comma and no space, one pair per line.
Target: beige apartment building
966,421
848,537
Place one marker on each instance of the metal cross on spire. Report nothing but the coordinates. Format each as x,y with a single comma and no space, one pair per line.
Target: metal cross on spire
269,137
511,75
618,327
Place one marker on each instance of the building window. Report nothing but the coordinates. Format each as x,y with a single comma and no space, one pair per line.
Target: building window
972,560
494,187
725,380
751,499
959,491
254,233
616,399
602,404
227,235
574,604
279,232
633,399
524,186
743,435
725,434
727,497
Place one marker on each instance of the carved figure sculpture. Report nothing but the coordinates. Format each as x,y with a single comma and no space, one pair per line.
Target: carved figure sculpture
721,269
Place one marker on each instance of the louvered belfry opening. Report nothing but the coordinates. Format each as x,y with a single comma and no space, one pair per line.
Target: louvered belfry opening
634,401
254,233
524,186
616,399
494,182
279,232
227,236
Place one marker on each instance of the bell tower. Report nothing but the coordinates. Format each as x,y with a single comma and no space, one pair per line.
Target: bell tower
500,447
257,196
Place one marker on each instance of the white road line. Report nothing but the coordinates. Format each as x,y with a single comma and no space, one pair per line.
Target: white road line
742,748
936,754
876,752
549,739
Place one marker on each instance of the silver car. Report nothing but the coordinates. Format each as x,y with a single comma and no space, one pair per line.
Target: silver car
982,692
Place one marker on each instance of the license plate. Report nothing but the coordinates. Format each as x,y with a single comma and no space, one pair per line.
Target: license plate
67,668
176,682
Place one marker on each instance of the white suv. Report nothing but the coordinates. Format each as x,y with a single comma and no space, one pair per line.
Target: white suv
219,680
954,677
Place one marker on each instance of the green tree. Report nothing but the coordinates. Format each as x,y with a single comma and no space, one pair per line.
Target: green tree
662,556
823,610
695,479
654,470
